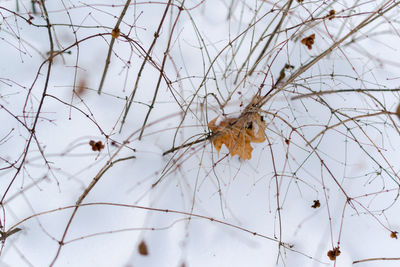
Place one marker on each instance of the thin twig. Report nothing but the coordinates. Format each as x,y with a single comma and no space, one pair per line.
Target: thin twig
113,37
33,128
378,13
376,259
260,56
146,58
162,70
343,91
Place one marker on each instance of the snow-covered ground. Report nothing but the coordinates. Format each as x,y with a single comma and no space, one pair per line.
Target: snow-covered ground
194,206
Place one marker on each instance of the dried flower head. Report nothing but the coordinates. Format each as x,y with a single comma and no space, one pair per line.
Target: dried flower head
331,14
309,41
96,146
115,33
332,254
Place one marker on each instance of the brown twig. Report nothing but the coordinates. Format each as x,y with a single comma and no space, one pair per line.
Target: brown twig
376,259
162,70
146,58
110,48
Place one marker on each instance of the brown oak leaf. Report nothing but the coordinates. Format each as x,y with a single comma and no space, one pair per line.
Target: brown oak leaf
238,133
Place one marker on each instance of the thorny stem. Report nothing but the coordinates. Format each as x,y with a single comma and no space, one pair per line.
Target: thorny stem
284,15
146,58
186,145
286,245
32,130
376,259
320,93
278,206
162,70
307,66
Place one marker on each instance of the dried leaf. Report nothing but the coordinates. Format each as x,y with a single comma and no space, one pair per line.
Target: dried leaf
309,41
332,254
142,248
316,204
393,234
238,133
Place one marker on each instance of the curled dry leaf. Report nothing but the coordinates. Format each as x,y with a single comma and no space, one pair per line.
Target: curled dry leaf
332,254
393,234
316,204
309,41
142,248
238,133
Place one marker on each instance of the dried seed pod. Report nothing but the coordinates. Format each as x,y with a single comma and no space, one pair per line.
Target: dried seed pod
309,41
96,146
332,254
115,33
331,14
